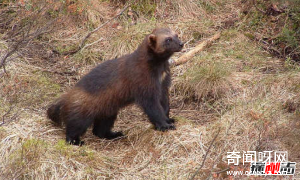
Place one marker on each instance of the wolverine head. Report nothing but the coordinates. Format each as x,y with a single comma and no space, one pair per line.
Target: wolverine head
164,40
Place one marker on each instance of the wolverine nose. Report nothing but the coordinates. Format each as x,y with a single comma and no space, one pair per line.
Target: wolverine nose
181,44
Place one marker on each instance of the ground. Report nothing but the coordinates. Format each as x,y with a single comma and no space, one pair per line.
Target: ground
233,96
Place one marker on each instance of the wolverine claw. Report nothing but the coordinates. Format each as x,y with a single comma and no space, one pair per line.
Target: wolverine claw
166,127
76,142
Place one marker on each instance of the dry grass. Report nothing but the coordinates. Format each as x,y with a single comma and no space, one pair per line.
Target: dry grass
234,86
32,154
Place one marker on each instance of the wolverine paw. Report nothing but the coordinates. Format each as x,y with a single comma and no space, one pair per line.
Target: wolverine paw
165,127
171,121
76,142
113,135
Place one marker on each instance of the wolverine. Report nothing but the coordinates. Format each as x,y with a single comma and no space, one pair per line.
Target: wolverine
142,77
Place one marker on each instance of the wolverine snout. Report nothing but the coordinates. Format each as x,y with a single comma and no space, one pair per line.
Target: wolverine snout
181,44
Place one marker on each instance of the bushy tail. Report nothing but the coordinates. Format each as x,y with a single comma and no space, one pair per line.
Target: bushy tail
53,112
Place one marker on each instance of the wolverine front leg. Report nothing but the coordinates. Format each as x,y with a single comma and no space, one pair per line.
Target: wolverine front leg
165,103
166,106
152,107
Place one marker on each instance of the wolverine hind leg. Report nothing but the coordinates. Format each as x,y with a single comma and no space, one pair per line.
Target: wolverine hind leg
103,125
75,128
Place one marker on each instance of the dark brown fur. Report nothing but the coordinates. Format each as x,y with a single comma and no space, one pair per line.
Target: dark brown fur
142,77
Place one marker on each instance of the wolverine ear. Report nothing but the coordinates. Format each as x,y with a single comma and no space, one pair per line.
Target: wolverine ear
152,40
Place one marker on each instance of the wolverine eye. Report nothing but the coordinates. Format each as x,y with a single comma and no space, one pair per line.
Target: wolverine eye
168,40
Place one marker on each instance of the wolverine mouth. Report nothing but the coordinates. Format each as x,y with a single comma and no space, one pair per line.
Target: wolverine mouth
181,44
179,49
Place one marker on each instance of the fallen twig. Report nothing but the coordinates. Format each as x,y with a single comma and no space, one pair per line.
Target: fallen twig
219,172
87,45
185,57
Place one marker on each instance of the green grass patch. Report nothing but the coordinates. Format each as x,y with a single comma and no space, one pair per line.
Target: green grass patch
205,81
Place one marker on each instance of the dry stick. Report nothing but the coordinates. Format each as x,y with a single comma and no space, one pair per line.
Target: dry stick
3,117
207,152
185,57
3,60
87,45
95,30
224,170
